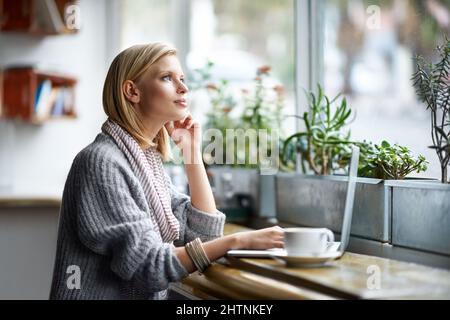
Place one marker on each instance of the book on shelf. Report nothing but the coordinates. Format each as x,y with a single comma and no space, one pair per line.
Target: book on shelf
69,100
53,100
58,107
1,93
48,17
43,93
50,103
36,95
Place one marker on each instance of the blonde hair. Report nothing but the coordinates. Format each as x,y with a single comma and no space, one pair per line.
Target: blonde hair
130,64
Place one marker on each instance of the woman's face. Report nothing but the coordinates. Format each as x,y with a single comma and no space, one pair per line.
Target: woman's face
163,92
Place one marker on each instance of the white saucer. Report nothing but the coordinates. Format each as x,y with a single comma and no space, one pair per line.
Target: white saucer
310,260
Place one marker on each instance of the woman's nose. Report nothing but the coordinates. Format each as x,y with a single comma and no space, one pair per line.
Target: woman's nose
182,88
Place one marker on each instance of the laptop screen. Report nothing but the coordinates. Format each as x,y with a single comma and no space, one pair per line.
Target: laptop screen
349,200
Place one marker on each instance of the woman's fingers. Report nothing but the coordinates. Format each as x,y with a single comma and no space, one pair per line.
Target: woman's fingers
190,123
278,244
277,237
185,123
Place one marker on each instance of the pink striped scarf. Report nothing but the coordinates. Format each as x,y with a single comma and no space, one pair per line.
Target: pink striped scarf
148,167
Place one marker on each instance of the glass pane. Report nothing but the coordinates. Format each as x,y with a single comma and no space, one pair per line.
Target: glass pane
368,55
240,36
145,21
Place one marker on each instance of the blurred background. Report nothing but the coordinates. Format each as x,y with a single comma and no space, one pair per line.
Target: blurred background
362,49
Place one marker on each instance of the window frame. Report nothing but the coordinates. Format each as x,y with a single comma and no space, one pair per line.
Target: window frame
309,35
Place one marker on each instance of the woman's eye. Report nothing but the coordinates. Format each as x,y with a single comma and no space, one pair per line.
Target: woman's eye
166,78
182,80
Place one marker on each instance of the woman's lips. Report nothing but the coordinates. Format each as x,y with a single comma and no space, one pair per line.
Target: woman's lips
181,102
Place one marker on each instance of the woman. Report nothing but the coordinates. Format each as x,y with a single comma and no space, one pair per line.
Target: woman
124,230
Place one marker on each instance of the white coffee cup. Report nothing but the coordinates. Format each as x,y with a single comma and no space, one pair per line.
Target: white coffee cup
303,241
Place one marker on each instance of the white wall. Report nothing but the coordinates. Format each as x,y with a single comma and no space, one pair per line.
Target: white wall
36,159
27,251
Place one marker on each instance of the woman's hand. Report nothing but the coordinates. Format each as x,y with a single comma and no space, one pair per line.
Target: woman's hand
186,134
267,238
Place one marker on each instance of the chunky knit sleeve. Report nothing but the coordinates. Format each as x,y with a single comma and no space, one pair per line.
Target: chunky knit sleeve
193,222
113,220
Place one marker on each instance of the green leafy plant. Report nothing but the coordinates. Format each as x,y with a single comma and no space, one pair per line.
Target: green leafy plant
325,148
222,103
388,161
200,77
432,83
322,145
262,110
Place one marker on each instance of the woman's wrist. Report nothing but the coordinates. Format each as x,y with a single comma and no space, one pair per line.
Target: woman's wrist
236,241
193,156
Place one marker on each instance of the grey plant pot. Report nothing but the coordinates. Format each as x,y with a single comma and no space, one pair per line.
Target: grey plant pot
227,182
319,201
421,215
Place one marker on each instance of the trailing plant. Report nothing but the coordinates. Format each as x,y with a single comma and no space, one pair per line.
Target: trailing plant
432,83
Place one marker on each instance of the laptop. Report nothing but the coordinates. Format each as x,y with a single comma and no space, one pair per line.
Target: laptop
333,247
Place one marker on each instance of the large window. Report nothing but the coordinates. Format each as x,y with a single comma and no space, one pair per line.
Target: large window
368,49
240,36
237,36
368,56
145,21
243,35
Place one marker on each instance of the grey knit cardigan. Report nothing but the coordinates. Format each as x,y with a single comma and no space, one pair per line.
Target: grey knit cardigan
106,237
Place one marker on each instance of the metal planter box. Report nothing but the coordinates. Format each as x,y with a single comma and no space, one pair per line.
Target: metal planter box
227,183
318,201
421,215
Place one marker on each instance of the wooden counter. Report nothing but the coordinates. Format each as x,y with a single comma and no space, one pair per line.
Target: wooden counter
28,199
347,278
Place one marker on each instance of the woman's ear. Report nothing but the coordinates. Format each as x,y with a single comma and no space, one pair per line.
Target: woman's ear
131,91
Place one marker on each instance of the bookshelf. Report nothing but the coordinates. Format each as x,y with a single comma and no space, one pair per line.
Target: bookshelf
39,17
36,97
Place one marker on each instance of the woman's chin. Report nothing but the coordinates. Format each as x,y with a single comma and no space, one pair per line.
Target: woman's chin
181,114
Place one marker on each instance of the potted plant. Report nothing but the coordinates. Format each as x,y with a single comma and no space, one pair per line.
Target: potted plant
390,162
323,149
235,173
420,210
432,83
315,196
263,112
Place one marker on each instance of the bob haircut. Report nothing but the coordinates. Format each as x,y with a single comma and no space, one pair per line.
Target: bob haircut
130,64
